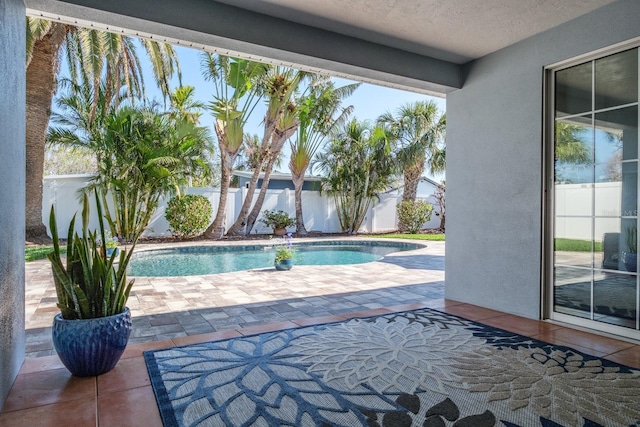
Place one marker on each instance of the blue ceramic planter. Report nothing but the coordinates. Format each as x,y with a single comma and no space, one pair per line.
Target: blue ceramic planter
110,251
284,264
91,347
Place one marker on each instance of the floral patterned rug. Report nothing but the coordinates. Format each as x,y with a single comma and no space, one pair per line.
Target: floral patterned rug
416,368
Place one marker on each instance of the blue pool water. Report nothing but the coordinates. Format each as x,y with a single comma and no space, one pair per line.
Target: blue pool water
200,260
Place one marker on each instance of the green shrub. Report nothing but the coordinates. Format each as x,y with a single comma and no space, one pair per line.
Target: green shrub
412,214
188,215
277,219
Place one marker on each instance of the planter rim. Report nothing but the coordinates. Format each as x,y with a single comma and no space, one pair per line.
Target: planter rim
58,317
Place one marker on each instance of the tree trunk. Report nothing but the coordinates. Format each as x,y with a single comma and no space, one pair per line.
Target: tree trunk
412,176
228,156
298,182
279,138
253,216
239,227
442,217
41,85
216,229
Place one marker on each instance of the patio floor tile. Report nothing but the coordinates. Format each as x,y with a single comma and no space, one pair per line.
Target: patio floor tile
212,336
180,311
38,364
46,387
128,408
82,411
135,350
472,312
571,337
129,373
629,356
520,325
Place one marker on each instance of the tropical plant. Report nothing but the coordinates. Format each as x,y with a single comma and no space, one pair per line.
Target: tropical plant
280,122
417,130
277,219
286,251
413,214
249,155
358,166
188,215
319,113
94,58
89,284
284,130
185,109
142,154
110,242
184,106
236,93
569,147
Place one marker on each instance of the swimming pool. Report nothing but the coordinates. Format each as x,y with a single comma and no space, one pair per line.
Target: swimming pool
200,260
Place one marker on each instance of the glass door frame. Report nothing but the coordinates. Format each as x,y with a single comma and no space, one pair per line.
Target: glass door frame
548,199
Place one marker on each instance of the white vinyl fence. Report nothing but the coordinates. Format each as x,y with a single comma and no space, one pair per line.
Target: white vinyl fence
319,211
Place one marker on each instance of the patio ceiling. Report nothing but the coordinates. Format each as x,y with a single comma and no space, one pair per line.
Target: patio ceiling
417,45
453,30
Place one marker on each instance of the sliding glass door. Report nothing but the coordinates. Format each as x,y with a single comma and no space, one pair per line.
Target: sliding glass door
595,194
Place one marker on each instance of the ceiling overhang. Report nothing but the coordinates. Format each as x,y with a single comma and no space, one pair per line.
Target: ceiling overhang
225,29
418,45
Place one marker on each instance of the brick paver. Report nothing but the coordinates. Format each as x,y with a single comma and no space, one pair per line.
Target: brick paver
181,306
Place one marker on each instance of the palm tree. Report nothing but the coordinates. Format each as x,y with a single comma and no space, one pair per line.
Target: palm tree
569,147
237,92
142,154
280,122
284,129
249,155
319,114
417,130
91,54
184,106
358,165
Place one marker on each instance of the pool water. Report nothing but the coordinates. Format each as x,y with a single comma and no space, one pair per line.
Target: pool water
200,260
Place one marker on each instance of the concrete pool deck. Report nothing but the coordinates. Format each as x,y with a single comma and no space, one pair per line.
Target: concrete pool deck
164,308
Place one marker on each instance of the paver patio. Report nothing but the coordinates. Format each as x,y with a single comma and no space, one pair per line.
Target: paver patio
171,307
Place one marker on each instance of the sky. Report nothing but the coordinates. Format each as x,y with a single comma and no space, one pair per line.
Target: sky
369,101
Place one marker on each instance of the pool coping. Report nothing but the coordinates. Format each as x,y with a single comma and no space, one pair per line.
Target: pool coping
271,242
144,246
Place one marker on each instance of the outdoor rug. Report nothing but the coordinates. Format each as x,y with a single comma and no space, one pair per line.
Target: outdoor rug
416,368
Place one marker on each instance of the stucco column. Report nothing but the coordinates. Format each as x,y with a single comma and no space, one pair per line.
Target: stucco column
12,191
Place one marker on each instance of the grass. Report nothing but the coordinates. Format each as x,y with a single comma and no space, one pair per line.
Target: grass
439,237
33,253
573,245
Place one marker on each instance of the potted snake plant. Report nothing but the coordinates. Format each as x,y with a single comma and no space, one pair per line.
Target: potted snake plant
92,329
